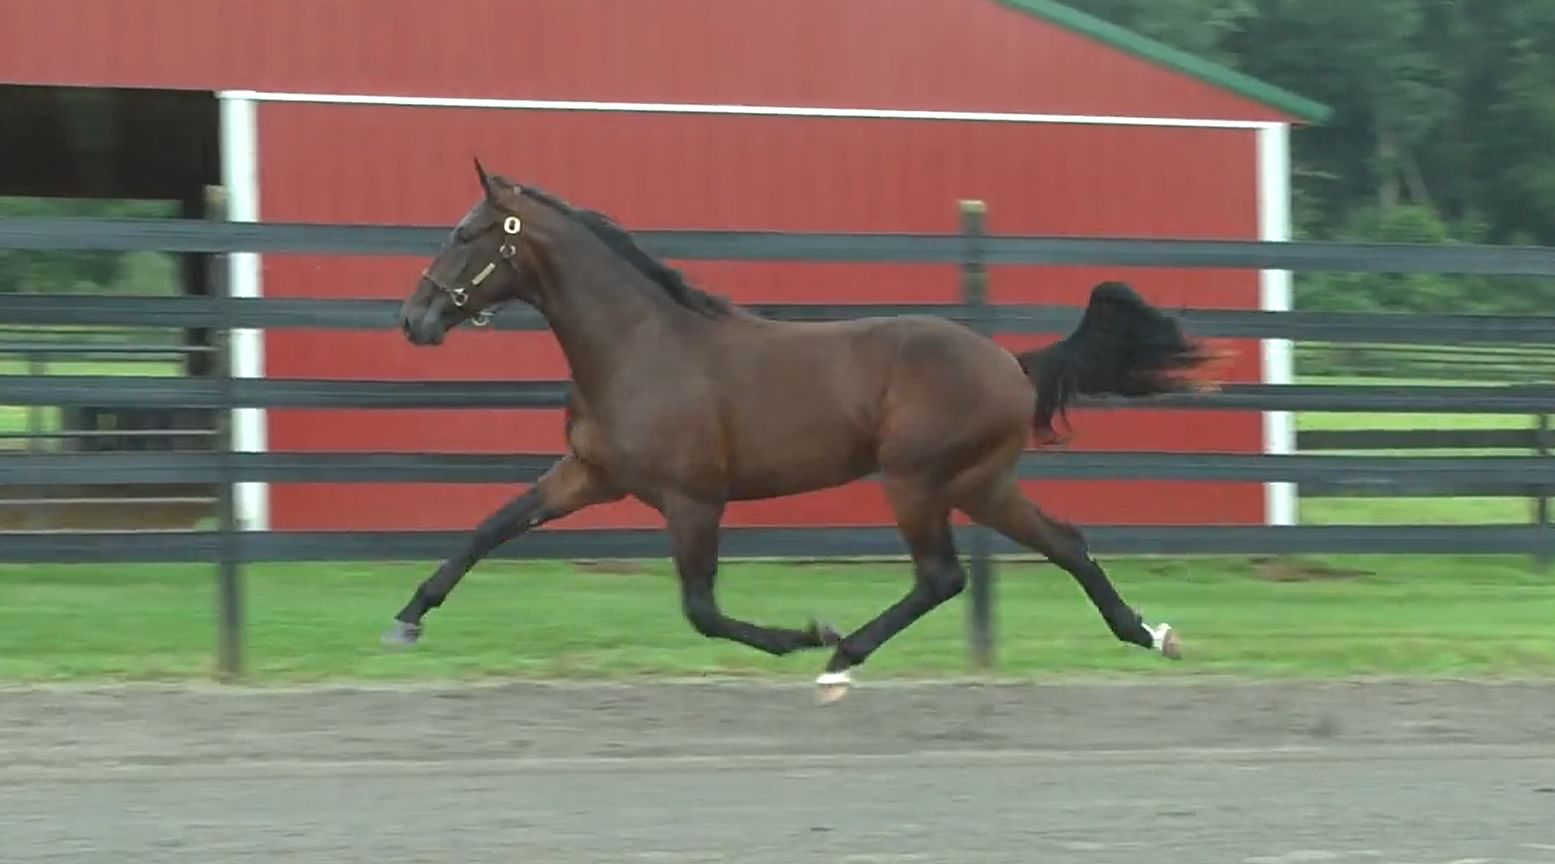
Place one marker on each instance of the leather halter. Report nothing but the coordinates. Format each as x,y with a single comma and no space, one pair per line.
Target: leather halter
461,296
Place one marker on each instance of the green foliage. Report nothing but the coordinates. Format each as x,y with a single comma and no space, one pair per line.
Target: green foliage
1418,292
24,271
1444,128
1201,27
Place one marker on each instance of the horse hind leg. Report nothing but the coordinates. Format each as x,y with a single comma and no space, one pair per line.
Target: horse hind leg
1002,507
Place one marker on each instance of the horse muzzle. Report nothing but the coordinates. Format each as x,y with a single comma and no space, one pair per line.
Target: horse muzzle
424,321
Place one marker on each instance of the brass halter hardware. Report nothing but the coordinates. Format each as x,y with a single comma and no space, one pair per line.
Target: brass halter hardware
511,226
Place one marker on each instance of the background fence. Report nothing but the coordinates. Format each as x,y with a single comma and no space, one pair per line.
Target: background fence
195,452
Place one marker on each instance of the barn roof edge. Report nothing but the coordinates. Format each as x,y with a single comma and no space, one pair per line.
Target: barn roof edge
1172,58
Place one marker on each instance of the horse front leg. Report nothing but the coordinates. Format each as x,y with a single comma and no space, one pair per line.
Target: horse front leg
693,528
569,486
923,518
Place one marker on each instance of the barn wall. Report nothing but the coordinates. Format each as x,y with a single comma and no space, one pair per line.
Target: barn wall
681,171
334,163
927,54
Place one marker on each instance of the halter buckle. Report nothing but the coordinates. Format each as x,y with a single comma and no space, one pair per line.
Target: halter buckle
510,226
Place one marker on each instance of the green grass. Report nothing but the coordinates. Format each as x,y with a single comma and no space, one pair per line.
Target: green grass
1487,364
14,418
158,367
1416,511
1343,617
1421,511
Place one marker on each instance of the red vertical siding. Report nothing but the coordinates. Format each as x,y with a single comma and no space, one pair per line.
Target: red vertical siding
655,171
928,54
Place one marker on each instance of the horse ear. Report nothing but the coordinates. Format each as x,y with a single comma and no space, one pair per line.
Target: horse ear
480,171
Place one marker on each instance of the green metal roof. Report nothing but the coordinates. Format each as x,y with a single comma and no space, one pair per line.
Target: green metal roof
1173,58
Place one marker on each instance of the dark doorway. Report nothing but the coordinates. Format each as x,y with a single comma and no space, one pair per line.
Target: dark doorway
106,152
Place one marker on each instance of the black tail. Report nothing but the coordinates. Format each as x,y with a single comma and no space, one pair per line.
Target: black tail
1123,346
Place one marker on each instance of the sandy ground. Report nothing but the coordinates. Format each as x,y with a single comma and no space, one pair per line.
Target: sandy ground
1425,773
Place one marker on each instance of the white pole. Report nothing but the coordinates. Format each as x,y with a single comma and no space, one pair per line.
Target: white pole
240,176
1274,295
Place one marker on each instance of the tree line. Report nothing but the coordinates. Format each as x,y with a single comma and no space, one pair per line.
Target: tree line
1443,127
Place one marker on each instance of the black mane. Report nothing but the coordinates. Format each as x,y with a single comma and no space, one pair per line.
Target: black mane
621,242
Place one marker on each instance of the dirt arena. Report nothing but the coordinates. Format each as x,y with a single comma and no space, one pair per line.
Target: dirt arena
716,772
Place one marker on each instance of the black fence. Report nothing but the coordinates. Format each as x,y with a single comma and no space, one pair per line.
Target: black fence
1529,475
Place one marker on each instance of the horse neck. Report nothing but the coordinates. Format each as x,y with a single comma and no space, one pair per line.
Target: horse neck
595,306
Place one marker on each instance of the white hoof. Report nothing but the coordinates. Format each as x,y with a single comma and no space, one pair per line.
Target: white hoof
402,635
831,686
1164,639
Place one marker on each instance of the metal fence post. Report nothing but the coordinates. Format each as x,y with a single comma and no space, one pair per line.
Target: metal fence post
229,576
974,294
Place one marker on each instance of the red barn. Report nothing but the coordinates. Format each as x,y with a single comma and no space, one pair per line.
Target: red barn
805,115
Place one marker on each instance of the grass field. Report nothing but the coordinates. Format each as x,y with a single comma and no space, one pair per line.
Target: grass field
1336,617
1418,511
14,419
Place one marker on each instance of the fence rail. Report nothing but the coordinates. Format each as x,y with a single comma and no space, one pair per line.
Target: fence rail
194,235
757,543
1369,473
172,392
972,251
321,314
1423,439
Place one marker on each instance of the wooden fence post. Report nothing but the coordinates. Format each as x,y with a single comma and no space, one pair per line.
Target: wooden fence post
38,518
229,575
1541,504
974,295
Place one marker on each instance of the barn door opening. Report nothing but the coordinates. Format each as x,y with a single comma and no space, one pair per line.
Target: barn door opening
106,152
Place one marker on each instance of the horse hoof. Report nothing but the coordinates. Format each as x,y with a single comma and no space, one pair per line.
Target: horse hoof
832,686
402,635
826,636
1166,641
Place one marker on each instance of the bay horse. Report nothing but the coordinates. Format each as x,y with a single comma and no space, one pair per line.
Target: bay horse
685,401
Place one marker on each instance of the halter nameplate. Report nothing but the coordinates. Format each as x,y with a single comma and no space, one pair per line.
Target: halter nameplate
510,226
485,271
